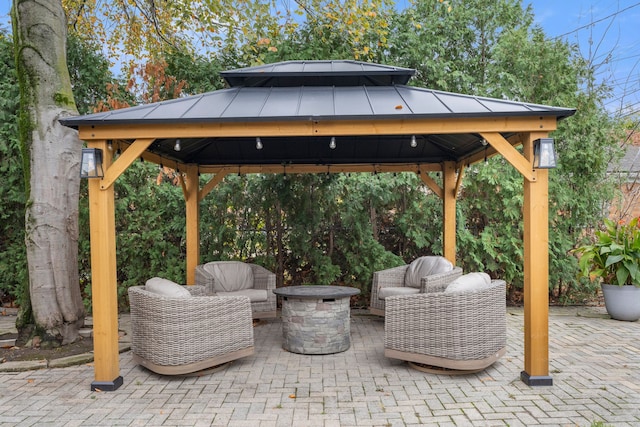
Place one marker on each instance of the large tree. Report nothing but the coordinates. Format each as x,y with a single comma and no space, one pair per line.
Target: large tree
52,164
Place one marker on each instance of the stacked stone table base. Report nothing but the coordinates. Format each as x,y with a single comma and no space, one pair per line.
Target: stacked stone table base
316,326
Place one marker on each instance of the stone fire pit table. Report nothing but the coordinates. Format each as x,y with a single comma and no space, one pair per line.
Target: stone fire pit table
316,319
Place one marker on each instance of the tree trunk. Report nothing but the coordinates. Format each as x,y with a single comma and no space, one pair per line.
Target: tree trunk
52,163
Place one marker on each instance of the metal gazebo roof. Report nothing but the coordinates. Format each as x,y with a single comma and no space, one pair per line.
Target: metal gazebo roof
316,91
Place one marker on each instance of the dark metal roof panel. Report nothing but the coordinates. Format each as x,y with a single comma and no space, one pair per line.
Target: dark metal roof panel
284,102
175,109
422,102
315,67
246,103
387,101
352,101
307,103
211,104
323,73
317,101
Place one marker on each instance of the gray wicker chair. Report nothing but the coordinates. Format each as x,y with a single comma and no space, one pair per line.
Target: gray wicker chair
461,332
175,336
263,300
395,278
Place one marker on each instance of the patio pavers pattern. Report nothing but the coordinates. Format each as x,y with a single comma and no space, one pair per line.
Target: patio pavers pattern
594,362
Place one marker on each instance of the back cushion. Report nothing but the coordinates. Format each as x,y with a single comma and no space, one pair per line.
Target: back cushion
166,288
469,282
229,276
425,266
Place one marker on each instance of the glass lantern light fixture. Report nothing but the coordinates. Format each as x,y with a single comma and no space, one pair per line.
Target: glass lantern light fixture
544,153
91,164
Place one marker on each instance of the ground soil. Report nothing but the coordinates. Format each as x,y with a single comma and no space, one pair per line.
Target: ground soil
10,354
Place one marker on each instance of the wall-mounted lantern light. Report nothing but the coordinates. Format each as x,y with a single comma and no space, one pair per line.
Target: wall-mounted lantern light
544,153
91,165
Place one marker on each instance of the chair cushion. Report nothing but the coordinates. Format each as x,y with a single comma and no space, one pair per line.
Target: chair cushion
255,295
425,266
395,290
229,276
166,288
469,282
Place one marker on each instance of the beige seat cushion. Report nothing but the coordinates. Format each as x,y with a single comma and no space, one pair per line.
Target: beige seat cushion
230,276
469,282
425,266
392,291
166,288
255,295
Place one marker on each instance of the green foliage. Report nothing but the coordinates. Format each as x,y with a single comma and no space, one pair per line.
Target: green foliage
89,73
614,258
341,228
200,74
13,264
489,48
490,221
451,44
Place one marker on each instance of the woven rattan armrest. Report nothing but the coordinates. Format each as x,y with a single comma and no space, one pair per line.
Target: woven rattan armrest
438,282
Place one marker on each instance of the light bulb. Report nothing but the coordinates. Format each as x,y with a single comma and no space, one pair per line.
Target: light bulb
177,147
258,143
414,143
332,144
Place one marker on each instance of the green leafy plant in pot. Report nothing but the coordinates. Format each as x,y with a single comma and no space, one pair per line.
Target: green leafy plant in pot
614,261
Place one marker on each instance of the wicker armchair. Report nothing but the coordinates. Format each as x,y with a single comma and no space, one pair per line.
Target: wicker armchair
259,284
458,331
177,335
396,283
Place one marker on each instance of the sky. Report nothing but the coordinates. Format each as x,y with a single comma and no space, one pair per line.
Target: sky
606,32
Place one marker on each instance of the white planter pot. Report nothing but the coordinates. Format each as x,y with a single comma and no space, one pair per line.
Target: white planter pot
622,302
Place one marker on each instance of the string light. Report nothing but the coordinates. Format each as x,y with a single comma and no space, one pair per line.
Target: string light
414,143
177,147
332,143
258,143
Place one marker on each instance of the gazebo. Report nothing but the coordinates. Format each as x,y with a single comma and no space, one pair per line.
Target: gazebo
319,117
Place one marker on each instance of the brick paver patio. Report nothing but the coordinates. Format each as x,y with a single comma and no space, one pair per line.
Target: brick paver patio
595,364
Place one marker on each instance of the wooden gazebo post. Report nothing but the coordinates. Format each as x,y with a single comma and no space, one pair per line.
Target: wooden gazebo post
536,272
190,188
449,211
104,292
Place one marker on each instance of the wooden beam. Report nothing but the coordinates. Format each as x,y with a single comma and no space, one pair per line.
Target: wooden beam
459,180
431,183
153,158
341,168
183,185
536,273
193,222
327,128
104,286
215,180
513,156
126,158
449,211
